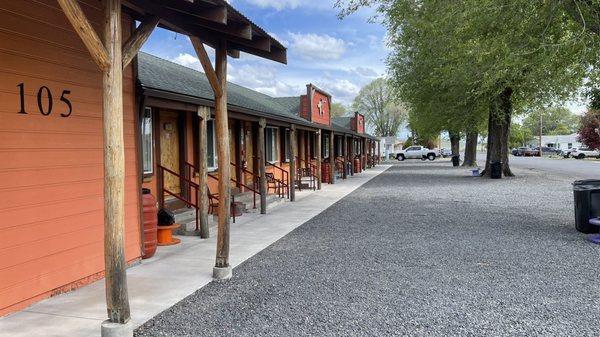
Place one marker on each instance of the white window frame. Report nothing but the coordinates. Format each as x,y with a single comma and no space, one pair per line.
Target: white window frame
147,130
272,157
215,164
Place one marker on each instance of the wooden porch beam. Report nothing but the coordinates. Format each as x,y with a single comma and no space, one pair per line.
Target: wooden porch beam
352,144
318,156
202,197
293,153
138,38
224,161
117,299
331,157
345,154
262,124
86,32
211,75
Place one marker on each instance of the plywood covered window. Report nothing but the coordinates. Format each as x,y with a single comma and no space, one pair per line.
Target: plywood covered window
147,153
271,144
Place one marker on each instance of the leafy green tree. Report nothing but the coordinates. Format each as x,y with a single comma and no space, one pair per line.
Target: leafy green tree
555,121
380,108
519,136
338,110
483,59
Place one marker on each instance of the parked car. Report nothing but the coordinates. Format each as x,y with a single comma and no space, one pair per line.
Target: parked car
567,153
584,152
514,151
416,152
446,153
520,151
529,152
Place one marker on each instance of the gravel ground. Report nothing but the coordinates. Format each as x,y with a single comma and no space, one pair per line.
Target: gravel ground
421,250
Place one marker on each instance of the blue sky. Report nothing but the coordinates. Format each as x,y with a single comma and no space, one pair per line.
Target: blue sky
339,56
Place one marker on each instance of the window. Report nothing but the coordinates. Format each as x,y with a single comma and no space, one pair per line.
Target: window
325,146
340,146
211,152
271,144
286,145
147,157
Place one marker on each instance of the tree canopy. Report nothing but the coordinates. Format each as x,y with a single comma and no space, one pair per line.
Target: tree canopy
555,121
458,64
376,101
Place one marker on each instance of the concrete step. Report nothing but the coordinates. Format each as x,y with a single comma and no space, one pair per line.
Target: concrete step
272,201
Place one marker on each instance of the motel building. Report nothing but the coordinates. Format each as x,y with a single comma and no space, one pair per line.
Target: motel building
87,123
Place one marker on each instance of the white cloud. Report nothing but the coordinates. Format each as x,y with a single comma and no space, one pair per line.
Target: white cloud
341,90
263,79
188,60
317,47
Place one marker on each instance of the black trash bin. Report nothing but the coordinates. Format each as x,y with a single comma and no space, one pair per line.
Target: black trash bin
586,195
455,161
496,170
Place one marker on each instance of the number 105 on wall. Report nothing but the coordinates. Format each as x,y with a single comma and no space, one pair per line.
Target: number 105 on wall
45,101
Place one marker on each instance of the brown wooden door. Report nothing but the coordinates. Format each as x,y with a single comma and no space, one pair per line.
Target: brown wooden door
169,149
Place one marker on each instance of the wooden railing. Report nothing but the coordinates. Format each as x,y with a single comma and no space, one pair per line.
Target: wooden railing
340,166
283,184
309,170
191,185
254,189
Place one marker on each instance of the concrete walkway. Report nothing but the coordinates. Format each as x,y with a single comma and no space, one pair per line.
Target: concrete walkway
175,272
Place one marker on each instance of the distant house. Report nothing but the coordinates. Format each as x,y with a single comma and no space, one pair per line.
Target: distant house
562,142
390,146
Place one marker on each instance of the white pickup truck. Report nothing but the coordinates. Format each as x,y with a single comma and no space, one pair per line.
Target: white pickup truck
416,152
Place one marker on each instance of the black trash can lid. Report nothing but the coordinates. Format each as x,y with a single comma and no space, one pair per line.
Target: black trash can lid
591,182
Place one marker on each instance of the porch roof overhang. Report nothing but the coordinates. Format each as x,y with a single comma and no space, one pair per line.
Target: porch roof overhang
211,21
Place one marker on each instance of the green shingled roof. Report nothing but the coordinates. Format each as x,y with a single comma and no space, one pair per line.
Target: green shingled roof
159,74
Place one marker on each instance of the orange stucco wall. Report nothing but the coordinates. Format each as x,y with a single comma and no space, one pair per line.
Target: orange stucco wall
51,178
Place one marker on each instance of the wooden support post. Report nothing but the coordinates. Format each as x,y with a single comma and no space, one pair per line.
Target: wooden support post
262,124
211,74
117,300
318,155
86,32
224,160
351,148
138,38
239,149
345,155
331,157
204,114
363,152
293,153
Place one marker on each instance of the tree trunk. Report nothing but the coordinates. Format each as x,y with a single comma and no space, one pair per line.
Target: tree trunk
470,159
498,130
455,143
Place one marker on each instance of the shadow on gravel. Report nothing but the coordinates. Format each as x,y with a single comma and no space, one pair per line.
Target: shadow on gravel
414,252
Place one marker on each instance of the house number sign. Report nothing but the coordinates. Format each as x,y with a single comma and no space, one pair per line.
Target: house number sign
45,101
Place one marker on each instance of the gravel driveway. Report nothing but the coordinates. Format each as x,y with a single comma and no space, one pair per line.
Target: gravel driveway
420,250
